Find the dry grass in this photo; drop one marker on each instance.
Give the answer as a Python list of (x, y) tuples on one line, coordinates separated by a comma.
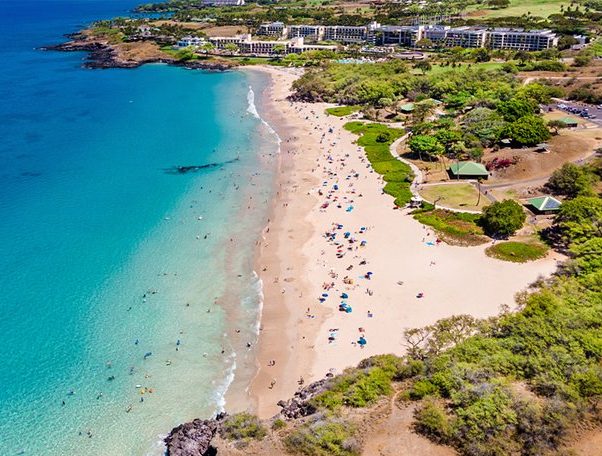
[(456, 196)]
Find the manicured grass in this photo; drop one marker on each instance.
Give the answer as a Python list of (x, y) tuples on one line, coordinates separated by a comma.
[(437, 69), (376, 140), (517, 252), (454, 227), (341, 111), (541, 8), (456, 196)]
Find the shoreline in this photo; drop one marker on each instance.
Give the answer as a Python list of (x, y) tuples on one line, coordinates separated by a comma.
[(295, 259), (277, 263)]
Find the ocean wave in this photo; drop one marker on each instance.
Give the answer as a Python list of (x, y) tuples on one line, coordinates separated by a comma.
[(259, 289), (252, 109), (220, 393)]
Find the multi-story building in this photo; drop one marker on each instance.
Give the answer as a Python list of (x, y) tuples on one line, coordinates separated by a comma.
[(435, 33), (310, 32), (297, 46), (401, 35), (223, 2), (346, 34), (521, 40), (272, 29), (247, 45), (220, 42), (467, 37), (191, 41)]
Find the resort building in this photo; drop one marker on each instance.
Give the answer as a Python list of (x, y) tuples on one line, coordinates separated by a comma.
[(220, 42), (191, 41), (223, 2), (311, 32), (346, 34), (272, 29), (247, 45), (390, 35), (466, 37), (521, 40), (435, 33), (297, 46), (400, 35)]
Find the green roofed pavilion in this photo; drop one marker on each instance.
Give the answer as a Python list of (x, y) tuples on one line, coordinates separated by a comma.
[(469, 169), (545, 204), (569, 121), (407, 107)]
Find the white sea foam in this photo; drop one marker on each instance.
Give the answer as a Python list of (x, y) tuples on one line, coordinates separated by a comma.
[(220, 393), (252, 109)]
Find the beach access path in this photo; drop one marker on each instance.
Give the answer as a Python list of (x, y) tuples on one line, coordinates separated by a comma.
[(334, 233)]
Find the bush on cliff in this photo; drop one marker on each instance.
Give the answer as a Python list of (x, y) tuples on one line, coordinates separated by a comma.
[(242, 427), (323, 438)]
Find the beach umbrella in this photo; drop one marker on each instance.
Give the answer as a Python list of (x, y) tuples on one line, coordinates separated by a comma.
[(362, 341), (344, 296)]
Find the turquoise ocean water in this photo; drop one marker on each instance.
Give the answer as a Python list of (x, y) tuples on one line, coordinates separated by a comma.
[(105, 255)]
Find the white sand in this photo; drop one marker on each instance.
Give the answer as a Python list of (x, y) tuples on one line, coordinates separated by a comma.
[(454, 280)]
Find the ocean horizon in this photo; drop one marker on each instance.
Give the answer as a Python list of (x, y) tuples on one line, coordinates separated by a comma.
[(129, 295)]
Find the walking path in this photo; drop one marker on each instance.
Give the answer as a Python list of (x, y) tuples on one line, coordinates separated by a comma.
[(419, 179)]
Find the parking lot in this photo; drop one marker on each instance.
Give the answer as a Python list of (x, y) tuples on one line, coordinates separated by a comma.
[(590, 113)]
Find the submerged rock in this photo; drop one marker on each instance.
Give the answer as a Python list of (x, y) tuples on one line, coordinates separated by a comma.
[(192, 438)]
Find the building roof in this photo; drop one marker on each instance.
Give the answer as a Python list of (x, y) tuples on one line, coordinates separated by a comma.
[(407, 107), (545, 203), (468, 169), (568, 121)]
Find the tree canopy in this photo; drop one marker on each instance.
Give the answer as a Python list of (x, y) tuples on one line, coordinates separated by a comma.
[(503, 218)]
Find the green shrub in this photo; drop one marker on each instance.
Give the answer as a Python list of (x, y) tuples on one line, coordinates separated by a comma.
[(457, 227), (242, 426), (342, 111), (278, 424), (517, 252), (503, 218), (432, 420), (323, 438), (422, 388)]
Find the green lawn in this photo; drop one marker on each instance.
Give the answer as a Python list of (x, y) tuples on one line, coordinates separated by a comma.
[(456, 196), (341, 111), (453, 227), (541, 8), (437, 69), (517, 252)]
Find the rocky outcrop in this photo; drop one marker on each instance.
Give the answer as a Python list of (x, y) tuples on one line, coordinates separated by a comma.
[(104, 55), (193, 438), (300, 404)]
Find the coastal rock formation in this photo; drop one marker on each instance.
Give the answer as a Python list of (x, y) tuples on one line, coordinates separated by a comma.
[(192, 438), (299, 405), (102, 54)]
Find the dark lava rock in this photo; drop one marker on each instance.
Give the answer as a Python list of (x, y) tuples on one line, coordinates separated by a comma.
[(193, 438), (298, 406)]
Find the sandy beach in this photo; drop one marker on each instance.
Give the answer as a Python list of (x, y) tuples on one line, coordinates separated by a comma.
[(334, 237)]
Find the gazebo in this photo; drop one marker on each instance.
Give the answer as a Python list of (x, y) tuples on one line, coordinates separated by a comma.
[(569, 122), (468, 170), (544, 204), (407, 108)]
